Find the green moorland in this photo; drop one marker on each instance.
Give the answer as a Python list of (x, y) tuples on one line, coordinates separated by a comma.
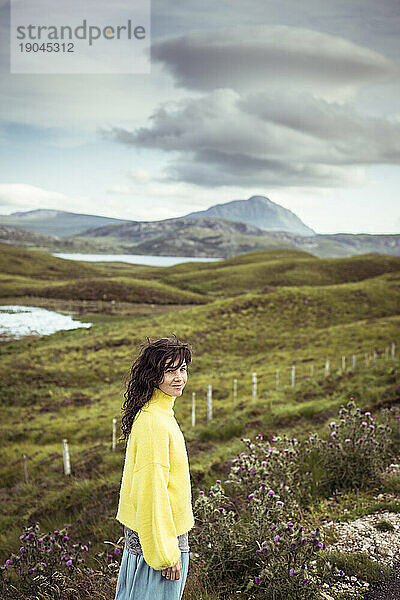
[(257, 312)]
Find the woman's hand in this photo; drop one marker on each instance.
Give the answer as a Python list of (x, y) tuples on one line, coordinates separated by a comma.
[(174, 572)]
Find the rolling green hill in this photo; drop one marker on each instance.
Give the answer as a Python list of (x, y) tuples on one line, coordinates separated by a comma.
[(36, 264)]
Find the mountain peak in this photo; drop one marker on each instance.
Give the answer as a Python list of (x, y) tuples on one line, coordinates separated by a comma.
[(259, 211)]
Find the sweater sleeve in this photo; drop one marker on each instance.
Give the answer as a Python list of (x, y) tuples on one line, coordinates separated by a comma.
[(150, 497), (155, 525)]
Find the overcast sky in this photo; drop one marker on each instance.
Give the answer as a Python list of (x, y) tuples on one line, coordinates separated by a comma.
[(294, 101)]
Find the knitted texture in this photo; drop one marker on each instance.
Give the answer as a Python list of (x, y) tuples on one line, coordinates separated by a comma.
[(155, 495)]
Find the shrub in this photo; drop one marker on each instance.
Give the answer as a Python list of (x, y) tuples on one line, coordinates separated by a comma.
[(274, 465), (48, 564), (358, 452), (258, 551)]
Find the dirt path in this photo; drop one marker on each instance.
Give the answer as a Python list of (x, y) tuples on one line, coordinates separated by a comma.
[(388, 589)]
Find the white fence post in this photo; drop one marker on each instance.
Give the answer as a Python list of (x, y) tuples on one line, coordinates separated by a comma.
[(114, 433), (354, 361), (25, 469), (293, 374), (193, 409), (343, 363), (374, 358), (277, 379), (67, 464), (393, 350), (254, 391), (327, 367), (209, 403), (387, 353)]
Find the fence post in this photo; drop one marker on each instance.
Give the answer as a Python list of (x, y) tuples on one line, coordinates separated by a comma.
[(234, 392), (326, 367), (354, 361), (276, 379), (366, 359), (209, 402), (393, 349), (387, 353), (114, 433), (193, 409), (311, 370), (293, 374), (254, 391), (374, 358), (343, 363), (67, 464), (25, 469)]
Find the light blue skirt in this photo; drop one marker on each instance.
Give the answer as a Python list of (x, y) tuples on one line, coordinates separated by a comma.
[(138, 581)]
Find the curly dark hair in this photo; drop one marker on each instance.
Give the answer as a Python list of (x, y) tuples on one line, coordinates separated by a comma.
[(147, 372)]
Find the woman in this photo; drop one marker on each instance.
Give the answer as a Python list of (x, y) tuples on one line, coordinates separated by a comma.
[(155, 496)]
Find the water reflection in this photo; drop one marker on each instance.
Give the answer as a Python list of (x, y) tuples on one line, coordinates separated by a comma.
[(19, 321), (136, 259)]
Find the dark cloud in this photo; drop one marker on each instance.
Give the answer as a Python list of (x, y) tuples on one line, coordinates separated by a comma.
[(252, 57), (211, 168), (350, 137), (223, 138), (368, 23)]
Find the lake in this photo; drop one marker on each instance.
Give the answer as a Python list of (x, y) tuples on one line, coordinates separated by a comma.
[(138, 259), (18, 321)]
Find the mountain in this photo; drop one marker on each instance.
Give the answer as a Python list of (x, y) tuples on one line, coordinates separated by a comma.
[(55, 222), (259, 211), (21, 238), (211, 237), (197, 236)]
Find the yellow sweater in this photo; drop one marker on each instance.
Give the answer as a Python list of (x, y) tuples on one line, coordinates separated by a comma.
[(155, 496)]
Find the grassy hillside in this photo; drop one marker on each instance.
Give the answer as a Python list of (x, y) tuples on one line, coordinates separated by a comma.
[(258, 272), (32, 273), (224, 279), (32, 263), (70, 385)]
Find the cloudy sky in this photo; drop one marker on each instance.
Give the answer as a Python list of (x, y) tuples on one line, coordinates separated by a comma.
[(294, 101)]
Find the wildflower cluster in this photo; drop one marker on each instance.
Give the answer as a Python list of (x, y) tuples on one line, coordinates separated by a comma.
[(283, 560), (358, 450), (272, 464), (49, 562), (249, 536)]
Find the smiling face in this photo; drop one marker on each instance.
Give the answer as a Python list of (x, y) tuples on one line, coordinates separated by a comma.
[(174, 379)]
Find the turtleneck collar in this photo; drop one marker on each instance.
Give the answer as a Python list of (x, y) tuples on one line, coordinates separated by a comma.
[(162, 401)]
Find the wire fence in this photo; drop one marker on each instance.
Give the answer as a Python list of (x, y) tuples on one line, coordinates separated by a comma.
[(275, 381)]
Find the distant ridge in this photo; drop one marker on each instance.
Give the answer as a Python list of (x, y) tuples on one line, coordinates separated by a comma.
[(56, 222), (259, 211)]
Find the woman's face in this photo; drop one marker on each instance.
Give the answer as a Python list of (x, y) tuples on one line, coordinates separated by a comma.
[(174, 379)]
